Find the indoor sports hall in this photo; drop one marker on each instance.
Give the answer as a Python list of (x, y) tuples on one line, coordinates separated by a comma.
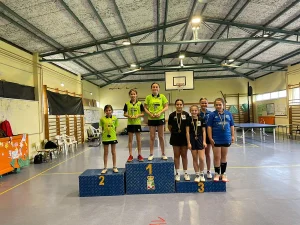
[(149, 112)]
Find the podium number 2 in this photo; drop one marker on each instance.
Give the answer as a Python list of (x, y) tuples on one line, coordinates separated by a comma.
[(149, 167), (101, 183), (201, 187)]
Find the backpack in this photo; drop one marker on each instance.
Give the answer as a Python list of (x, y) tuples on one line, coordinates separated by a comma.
[(38, 159), (2, 134), (5, 126)]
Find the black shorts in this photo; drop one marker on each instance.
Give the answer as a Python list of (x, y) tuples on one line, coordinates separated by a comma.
[(207, 141), (134, 128), (109, 142), (155, 123), (223, 145), (197, 144), (178, 139)]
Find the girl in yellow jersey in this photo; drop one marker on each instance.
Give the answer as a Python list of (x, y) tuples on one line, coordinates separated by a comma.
[(155, 106), (134, 110), (109, 125)]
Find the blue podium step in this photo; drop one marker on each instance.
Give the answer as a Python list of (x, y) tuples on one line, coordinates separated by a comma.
[(150, 177), (93, 183), (192, 187)]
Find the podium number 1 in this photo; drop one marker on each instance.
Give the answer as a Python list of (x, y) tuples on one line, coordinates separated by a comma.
[(149, 167), (101, 183)]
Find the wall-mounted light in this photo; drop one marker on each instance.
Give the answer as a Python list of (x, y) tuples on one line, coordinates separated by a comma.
[(91, 93), (62, 84), (230, 60)]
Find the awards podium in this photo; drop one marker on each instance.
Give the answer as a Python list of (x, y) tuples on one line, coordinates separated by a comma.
[(148, 177), (93, 183), (192, 187)]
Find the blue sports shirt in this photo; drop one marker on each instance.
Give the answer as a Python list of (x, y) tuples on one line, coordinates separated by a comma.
[(217, 122)]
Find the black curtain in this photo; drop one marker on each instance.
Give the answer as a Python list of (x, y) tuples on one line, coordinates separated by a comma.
[(62, 104), (17, 91)]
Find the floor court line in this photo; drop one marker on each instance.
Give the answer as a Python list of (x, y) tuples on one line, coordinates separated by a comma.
[(229, 167), (41, 173)]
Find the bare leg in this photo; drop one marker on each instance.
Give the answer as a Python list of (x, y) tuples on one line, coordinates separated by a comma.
[(152, 130), (224, 151), (195, 160), (217, 156), (176, 150), (105, 155), (114, 154), (207, 156), (130, 138), (139, 142), (201, 155), (183, 153), (160, 130)]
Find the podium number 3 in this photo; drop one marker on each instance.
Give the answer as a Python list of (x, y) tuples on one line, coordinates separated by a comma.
[(201, 187), (149, 167), (101, 183)]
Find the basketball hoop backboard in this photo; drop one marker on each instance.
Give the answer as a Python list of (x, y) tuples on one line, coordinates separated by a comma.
[(181, 80)]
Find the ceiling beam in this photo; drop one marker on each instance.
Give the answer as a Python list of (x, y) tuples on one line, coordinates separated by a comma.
[(86, 30), (32, 30), (264, 25), (105, 27), (157, 25), (116, 38), (176, 43), (163, 79), (125, 29), (165, 23), (187, 24), (128, 74), (204, 49)]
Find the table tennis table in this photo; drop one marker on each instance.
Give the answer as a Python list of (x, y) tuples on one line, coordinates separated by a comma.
[(251, 126)]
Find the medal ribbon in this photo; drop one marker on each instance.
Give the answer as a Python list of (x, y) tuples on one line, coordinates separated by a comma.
[(178, 124), (222, 122)]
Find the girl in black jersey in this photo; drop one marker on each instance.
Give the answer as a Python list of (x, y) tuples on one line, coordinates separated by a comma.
[(177, 126)]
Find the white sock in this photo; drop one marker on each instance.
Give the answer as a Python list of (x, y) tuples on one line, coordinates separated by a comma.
[(197, 173), (184, 171), (202, 172), (176, 171)]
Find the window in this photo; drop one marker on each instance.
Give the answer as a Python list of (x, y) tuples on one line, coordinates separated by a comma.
[(274, 95), (98, 104), (266, 96), (282, 94), (259, 98)]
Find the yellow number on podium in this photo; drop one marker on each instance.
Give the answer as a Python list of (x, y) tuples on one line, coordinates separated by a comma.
[(101, 183), (201, 187), (149, 167)]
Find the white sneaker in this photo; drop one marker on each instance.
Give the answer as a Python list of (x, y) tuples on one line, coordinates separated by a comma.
[(197, 179), (164, 157), (209, 176), (202, 178), (187, 177), (150, 157), (115, 169), (104, 171), (177, 177)]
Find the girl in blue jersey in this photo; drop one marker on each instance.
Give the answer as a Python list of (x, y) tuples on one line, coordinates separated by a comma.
[(204, 113), (220, 128)]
